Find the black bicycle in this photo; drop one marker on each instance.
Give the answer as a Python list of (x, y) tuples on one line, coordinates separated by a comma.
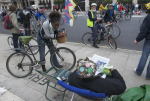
[(21, 64), (88, 40)]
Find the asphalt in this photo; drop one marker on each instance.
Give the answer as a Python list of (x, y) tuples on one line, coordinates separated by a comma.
[(32, 88)]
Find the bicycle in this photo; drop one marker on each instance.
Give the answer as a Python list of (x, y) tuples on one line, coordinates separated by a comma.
[(33, 43), (24, 63), (87, 37), (127, 15), (114, 30)]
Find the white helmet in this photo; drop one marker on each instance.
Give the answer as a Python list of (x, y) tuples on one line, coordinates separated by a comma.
[(93, 4)]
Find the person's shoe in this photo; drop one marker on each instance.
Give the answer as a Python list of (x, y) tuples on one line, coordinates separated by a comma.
[(43, 68), (95, 46)]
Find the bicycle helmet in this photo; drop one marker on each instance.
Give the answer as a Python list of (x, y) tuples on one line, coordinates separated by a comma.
[(93, 4), (147, 6)]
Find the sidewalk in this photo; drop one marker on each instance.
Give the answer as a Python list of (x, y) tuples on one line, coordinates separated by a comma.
[(8, 96), (33, 87)]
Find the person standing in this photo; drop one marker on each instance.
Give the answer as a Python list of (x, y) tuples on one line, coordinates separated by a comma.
[(15, 30), (92, 23), (26, 20), (144, 34)]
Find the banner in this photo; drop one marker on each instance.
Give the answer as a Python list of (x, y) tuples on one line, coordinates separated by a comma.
[(68, 12)]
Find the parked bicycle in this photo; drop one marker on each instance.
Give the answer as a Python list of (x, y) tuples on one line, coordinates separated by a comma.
[(124, 15), (87, 37), (33, 44), (20, 64)]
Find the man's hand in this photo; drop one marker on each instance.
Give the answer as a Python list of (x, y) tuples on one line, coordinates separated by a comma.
[(135, 42), (61, 34), (99, 19)]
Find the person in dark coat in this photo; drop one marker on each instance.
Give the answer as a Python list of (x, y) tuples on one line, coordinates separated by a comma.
[(144, 34)]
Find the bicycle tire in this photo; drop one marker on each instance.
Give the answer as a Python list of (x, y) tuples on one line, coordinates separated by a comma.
[(115, 31), (65, 60), (111, 42), (33, 46), (87, 38), (10, 42), (11, 70)]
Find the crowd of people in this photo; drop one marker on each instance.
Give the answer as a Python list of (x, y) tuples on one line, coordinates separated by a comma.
[(120, 7)]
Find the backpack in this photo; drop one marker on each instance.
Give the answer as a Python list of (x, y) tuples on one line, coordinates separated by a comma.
[(7, 22)]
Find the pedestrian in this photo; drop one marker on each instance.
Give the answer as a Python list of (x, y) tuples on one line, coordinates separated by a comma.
[(144, 34), (48, 32), (26, 20), (92, 23), (15, 30), (109, 16)]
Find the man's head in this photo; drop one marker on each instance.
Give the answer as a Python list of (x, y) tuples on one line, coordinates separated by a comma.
[(110, 6), (12, 8), (93, 6), (55, 18)]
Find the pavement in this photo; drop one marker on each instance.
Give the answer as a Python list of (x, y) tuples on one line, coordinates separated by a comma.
[(32, 88)]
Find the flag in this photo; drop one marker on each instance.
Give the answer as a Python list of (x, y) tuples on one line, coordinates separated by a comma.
[(68, 12)]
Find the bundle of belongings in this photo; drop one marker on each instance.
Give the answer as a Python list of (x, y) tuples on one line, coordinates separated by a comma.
[(95, 74)]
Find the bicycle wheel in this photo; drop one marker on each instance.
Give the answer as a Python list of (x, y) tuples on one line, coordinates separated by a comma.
[(115, 31), (87, 38), (10, 42), (65, 58), (33, 46), (19, 64), (112, 43)]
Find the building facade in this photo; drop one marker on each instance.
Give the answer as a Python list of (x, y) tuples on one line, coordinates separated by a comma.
[(4, 4)]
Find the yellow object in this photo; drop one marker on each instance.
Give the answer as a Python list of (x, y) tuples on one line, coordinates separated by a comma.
[(147, 5), (89, 22), (101, 7), (106, 7)]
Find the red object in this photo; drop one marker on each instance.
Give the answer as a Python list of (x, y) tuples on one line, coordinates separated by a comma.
[(7, 22)]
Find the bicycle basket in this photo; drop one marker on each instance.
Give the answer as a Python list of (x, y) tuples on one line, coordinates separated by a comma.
[(62, 39)]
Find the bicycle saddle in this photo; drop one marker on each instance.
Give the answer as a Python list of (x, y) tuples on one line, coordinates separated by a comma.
[(25, 39)]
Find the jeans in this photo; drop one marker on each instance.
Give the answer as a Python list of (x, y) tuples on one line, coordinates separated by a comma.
[(144, 59), (41, 44), (49, 43), (95, 31), (15, 40)]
